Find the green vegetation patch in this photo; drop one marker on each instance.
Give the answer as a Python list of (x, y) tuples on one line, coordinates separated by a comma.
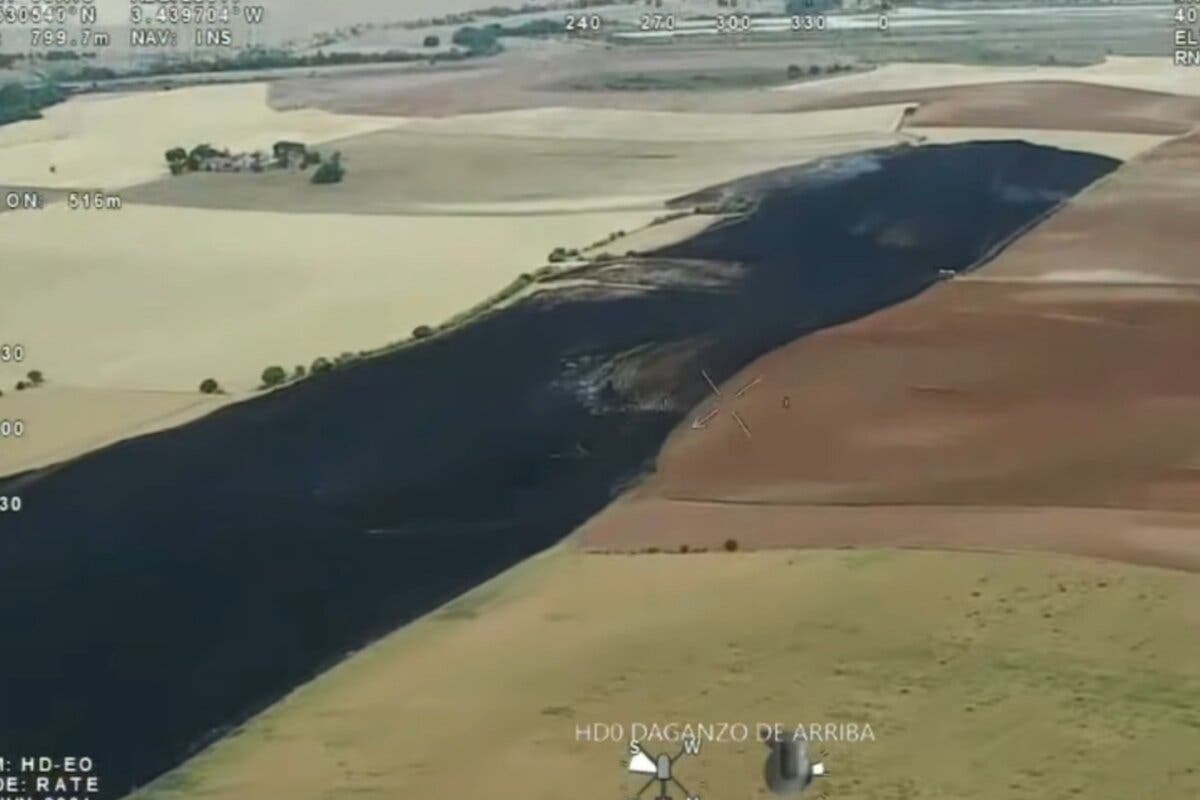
[(20, 102)]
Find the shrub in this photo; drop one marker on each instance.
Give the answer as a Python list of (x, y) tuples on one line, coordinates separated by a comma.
[(422, 332), (330, 171), (321, 364), (210, 386), (479, 41), (432, 41), (557, 255), (273, 376), (731, 545), (36, 378), (794, 71), (299, 372)]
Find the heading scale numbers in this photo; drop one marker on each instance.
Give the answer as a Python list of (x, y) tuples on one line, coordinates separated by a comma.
[(808, 22), (583, 23)]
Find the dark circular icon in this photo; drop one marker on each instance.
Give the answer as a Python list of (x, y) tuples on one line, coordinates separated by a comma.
[(789, 769)]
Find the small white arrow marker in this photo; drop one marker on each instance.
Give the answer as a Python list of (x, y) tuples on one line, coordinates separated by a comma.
[(642, 764)]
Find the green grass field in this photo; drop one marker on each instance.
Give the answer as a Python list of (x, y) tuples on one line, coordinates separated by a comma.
[(982, 676)]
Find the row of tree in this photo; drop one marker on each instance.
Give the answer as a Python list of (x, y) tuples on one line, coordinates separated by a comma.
[(285, 154), (276, 375)]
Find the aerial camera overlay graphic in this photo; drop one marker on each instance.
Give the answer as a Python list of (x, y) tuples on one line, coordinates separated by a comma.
[(604, 399)]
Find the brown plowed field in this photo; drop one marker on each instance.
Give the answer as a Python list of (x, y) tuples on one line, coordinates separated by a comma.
[(1026, 409)]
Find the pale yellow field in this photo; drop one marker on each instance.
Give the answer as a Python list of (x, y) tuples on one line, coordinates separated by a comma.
[(107, 141), (161, 298), (666, 126), (983, 677), (1151, 74), (62, 421)]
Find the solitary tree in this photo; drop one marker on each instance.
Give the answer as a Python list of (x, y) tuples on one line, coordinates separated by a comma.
[(177, 160), (36, 377), (422, 332), (210, 386), (273, 376), (330, 171), (321, 364)]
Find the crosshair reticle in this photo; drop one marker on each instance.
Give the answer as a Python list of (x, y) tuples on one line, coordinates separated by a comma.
[(702, 421)]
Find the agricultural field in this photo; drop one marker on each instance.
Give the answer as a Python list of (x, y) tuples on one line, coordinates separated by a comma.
[(980, 676)]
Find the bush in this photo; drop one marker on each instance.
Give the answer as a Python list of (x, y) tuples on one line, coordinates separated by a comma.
[(321, 364), (299, 372), (557, 255), (273, 376), (422, 332), (432, 41), (794, 71), (210, 386), (479, 41), (330, 171), (731, 545), (36, 377)]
